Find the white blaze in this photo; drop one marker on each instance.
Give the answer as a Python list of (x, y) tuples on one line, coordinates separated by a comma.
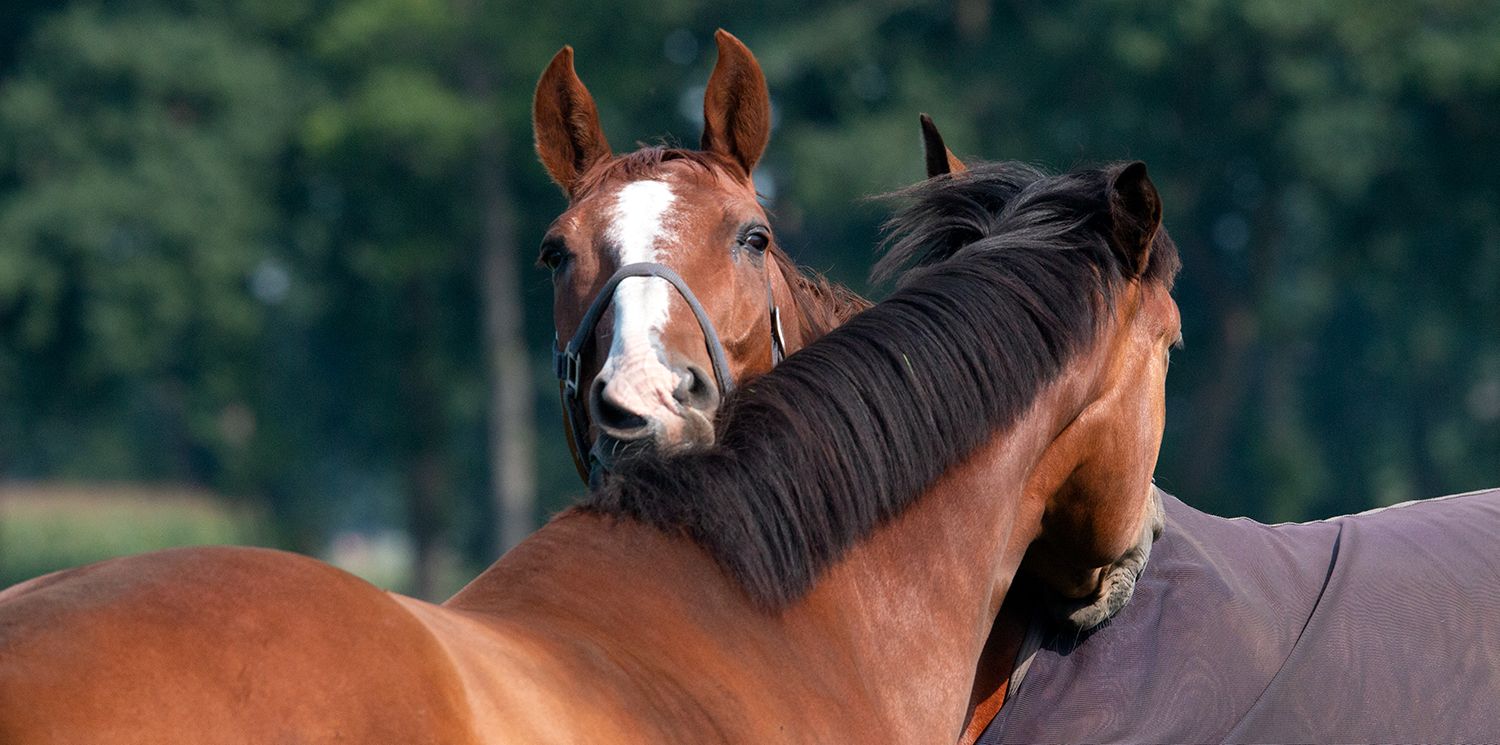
[(639, 227)]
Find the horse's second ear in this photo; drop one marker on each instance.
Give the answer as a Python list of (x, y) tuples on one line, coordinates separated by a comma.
[(1135, 215), (565, 123), (736, 105), (940, 160)]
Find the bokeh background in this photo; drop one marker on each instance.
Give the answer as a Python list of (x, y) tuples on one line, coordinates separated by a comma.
[(265, 267)]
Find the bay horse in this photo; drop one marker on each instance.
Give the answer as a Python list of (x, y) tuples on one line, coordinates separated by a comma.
[(828, 570), (669, 285), (1244, 632)]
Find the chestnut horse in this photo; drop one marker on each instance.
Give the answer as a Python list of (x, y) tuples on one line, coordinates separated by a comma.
[(669, 256), (827, 571), (665, 303)]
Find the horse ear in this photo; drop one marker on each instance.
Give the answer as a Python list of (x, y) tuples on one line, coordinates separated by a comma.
[(940, 160), (1135, 215), (565, 123), (736, 105)]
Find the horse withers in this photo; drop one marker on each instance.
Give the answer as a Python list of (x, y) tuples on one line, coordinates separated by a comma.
[(827, 571)]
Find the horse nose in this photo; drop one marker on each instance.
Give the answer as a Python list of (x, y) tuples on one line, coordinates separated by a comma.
[(613, 415), (695, 389), (666, 400)]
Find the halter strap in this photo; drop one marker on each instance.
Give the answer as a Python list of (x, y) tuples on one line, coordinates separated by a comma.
[(778, 341), (567, 361)]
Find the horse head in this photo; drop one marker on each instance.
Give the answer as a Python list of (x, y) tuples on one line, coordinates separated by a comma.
[(1100, 511), (669, 286)]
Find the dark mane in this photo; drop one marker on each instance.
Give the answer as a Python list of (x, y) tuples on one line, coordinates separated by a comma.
[(946, 214), (849, 431)]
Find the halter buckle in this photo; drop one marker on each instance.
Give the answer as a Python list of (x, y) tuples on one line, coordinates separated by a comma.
[(569, 369)]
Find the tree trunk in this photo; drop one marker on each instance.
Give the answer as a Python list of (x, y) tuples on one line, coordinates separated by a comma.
[(512, 431), (425, 486), (512, 423), (1216, 403), (426, 467)]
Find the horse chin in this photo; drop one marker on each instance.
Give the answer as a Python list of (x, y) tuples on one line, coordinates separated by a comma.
[(607, 453), (695, 431), (1117, 585)]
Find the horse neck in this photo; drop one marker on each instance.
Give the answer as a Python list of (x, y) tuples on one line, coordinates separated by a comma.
[(811, 305), (891, 633), (916, 602)]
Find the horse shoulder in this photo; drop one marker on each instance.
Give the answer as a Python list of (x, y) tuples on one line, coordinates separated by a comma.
[(511, 684), (604, 630), (539, 677), (219, 644)]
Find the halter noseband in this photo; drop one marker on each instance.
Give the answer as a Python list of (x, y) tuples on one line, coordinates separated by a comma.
[(567, 362)]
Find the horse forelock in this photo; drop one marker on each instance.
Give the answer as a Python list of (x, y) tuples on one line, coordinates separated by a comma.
[(652, 162)]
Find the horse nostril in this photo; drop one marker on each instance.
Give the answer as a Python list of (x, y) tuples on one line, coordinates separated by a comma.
[(619, 420), (695, 390)]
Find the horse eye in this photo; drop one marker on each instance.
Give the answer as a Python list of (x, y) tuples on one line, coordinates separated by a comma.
[(552, 258), (758, 240)]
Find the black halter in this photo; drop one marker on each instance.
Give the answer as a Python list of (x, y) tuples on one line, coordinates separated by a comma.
[(567, 361)]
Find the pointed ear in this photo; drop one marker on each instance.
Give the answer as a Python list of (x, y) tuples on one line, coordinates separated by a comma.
[(566, 123), (940, 160), (736, 105), (1134, 214)]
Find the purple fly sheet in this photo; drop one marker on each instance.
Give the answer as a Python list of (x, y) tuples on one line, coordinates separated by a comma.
[(1377, 627)]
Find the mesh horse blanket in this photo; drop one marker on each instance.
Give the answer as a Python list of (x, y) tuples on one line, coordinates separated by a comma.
[(1377, 627)]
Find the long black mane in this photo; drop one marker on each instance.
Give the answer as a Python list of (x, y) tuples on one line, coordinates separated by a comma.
[(1013, 270)]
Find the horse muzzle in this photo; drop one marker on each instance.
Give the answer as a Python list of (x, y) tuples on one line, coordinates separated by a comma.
[(695, 430), (697, 395)]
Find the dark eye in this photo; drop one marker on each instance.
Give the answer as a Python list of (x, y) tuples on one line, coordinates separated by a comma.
[(758, 240), (553, 257)]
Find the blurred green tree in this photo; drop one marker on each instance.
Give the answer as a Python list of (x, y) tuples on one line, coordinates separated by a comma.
[(140, 160)]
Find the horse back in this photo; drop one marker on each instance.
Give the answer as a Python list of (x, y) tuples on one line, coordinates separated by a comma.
[(207, 645)]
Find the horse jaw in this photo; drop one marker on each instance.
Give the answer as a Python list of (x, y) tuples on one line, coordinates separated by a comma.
[(1117, 583)]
